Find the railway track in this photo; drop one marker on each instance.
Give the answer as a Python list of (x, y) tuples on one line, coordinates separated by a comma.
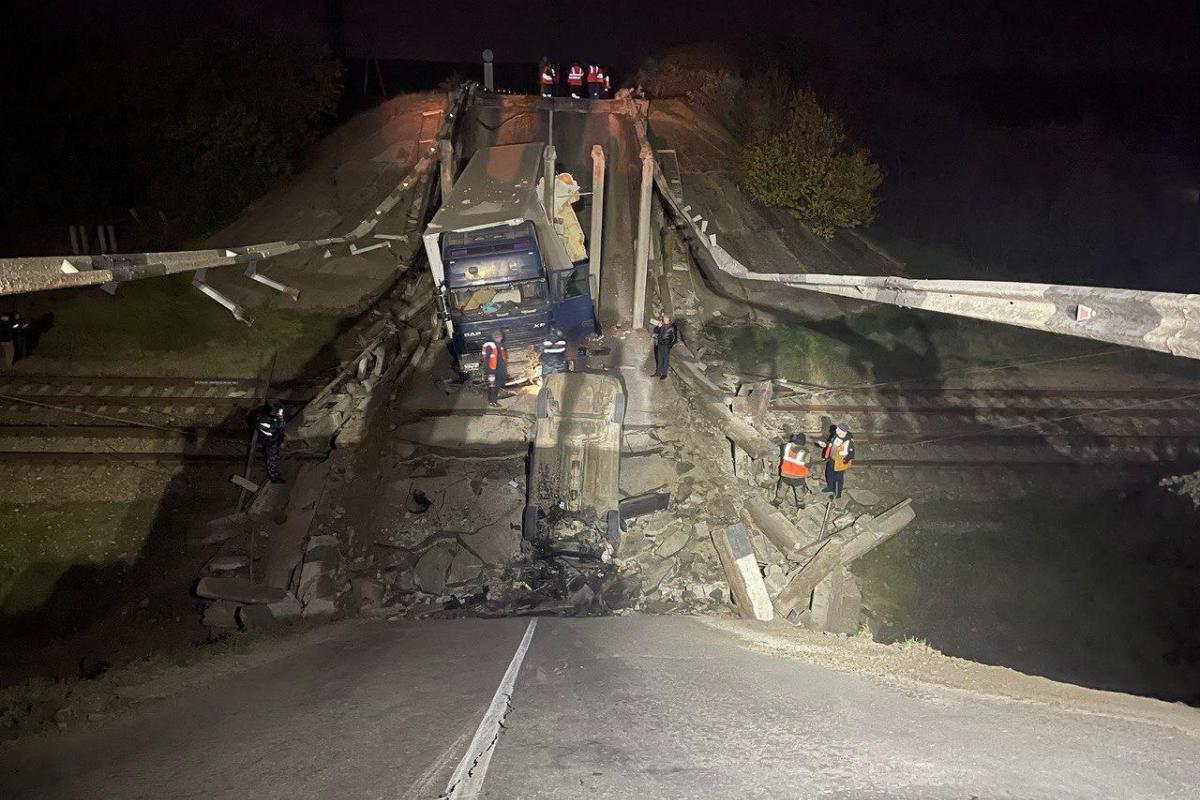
[(975, 428), (52, 419)]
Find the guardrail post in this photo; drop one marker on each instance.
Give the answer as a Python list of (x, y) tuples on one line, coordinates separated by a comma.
[(597, 226), (642, 263)]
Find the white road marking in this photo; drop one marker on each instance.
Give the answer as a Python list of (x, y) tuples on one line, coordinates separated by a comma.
[(467, 780)]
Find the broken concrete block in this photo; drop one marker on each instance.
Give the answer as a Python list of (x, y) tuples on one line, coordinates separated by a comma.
[(654, 570), (237, 590), (431, 570), (836, 604), (863, 497), (775, 579), (753, 400), (874, 531), (221, 614), (367, 593), (464, 568), (320, 607), (672, 543), (796, 595), (227, 563), (496, 544), (741, 570)]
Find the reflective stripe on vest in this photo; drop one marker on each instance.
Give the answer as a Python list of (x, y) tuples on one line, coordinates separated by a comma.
[(547, 76), (492, 355), (575, 75), (792, 464), (554, 347)]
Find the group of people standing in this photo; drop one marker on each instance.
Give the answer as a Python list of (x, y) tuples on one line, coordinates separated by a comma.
[(595, 78), (837, 451)]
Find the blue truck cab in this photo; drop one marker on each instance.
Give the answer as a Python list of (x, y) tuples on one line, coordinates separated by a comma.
[(498, 263)]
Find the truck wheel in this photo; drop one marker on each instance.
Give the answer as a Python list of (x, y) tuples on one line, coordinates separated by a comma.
[(529, 520), (613, 525), (619, 409)]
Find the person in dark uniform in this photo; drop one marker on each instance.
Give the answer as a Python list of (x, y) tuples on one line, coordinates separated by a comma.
[(8, 353), (20, 336), (554, 353), (493, 361), (665, 335), (271, 427)]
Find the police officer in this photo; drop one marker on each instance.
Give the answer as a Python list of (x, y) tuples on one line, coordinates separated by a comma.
[(271, 426), (793, 472), (664, 337), (8, 351), (554, 353), (493, 361)]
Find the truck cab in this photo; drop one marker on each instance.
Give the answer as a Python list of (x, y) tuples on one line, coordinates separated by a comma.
[(500, 263)]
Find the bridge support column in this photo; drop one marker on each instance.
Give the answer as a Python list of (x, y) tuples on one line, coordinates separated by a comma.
[(597, 226), (642, 262), (549, 156)]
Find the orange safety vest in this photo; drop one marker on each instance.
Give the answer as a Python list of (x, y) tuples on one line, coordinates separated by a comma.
[(548, 76), (575, 76), (792, 465), (493, 356)]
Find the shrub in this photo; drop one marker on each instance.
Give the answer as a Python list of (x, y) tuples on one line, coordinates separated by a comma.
[(806, 168)]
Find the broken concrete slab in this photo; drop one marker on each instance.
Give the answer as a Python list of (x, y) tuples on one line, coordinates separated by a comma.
[(754, 400), (796, 595), (320, 607), (431, 570), (874, 531), (675, 539), (836, 603), (641, 504), (864, 497), (227, 563), (237, 590), (464, 568), (654, 570), (468, 432), (366, 593), (496, 544), (221, 614), (741, 571), (779, 530)]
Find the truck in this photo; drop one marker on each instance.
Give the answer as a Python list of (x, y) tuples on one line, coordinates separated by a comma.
[(500, 263)]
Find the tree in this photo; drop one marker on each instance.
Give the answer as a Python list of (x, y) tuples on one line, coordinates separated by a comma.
[(806, 168)]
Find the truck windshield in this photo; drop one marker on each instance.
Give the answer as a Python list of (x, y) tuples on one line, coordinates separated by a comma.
[(501, 299)]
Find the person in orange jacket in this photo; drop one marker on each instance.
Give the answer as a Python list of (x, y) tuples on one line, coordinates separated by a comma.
[(838, 453), (793, 471), (575, 81), (595, 79)]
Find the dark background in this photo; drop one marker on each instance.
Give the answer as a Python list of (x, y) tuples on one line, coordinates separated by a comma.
[(1033, 141)]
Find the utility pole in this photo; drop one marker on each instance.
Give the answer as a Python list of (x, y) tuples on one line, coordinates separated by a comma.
[(548, 159), (597, 227), (489, 82), (642, 262)]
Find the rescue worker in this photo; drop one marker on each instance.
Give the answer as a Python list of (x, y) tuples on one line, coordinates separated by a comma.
[(548, 79), (575, 81), (493, 361), (595, 80), (607, 85), (793, 471), (664, 337), (19, 332), (838, 453), (554, 353), (271, 427)]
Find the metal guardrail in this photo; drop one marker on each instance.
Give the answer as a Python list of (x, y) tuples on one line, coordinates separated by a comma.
[(1162, 321), (22, 275)]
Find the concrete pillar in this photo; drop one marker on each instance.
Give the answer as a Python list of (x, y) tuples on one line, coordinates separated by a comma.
[(549, 156), (100, 239), (489, 81), (74, 240), (112, 238), (594, 251), (642, 262)]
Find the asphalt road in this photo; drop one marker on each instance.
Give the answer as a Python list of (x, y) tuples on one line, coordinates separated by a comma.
[(660, 707)]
